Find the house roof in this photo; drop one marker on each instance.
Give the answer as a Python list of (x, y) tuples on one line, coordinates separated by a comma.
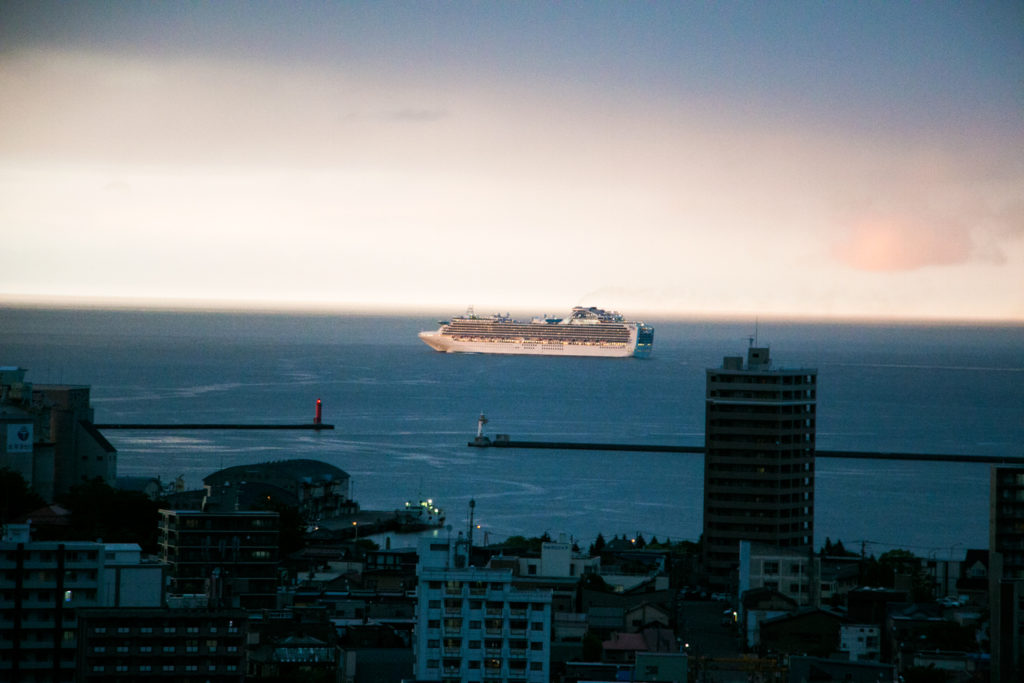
[(625, 642)]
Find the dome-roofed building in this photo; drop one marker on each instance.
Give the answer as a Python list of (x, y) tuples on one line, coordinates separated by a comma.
[(319, 490)]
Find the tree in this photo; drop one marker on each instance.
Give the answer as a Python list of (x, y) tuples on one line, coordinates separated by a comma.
[(597, 546), (16, 498), (592, 649), (100, 511)]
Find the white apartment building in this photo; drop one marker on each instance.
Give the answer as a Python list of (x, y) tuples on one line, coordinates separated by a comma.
[(861, 642), (474, 626), (791, 571)]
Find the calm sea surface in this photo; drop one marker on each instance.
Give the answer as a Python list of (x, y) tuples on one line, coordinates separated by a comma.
[(403, 414)]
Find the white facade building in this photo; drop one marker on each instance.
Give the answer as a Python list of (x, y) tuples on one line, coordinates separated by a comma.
[(861, 642), (473, 625), (792, 572)]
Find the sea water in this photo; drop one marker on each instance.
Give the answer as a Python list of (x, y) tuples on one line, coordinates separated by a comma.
[(403, 415)]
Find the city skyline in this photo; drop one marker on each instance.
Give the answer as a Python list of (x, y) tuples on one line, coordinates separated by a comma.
[(809, 160)]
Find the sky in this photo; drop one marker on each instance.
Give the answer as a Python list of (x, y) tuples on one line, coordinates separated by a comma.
[(816, 159)]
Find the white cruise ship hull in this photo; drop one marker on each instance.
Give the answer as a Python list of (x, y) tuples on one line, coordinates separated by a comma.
[(585, 332), (440, 342)]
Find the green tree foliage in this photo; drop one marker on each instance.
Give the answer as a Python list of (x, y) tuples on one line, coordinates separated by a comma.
[(591, 647), (883, 572), (594, 582), (521, 544), (836, 549), (100, 511), (922, 674), (16, 498)]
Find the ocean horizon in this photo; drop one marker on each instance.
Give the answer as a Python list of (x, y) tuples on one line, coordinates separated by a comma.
[(403, 414)]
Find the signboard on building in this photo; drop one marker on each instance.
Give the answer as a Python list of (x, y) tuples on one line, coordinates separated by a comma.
[(19, 438)]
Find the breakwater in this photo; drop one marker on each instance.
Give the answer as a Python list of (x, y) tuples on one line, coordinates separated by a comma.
[(194, 425), (502, 442)]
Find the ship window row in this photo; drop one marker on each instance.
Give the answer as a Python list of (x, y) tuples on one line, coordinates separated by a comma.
[(480, 334), (766, 378), (527, 331)]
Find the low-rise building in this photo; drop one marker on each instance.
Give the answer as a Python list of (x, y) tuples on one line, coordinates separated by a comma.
[(127, 644), (793, 572), (860, 642), (318, 490)]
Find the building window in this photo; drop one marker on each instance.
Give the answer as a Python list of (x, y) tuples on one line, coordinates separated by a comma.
[(770, 567)]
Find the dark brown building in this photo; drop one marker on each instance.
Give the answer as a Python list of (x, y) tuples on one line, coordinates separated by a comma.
[(758, 459), (1006, 573)]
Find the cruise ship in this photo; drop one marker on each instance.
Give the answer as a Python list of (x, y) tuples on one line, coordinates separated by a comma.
[(585, 332)]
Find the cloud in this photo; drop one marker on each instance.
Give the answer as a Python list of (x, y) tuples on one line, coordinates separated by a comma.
[(899, 243)]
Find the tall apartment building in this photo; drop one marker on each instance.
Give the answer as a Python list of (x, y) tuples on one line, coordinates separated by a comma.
[(474, 626), (758, 459), (43, 587), (231, 557), (1006, 573)]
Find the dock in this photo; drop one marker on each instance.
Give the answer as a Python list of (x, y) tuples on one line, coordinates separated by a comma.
[(502, 441)]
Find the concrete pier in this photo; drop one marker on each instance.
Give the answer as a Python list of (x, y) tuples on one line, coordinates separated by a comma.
[(504, 442), (315, 426)]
